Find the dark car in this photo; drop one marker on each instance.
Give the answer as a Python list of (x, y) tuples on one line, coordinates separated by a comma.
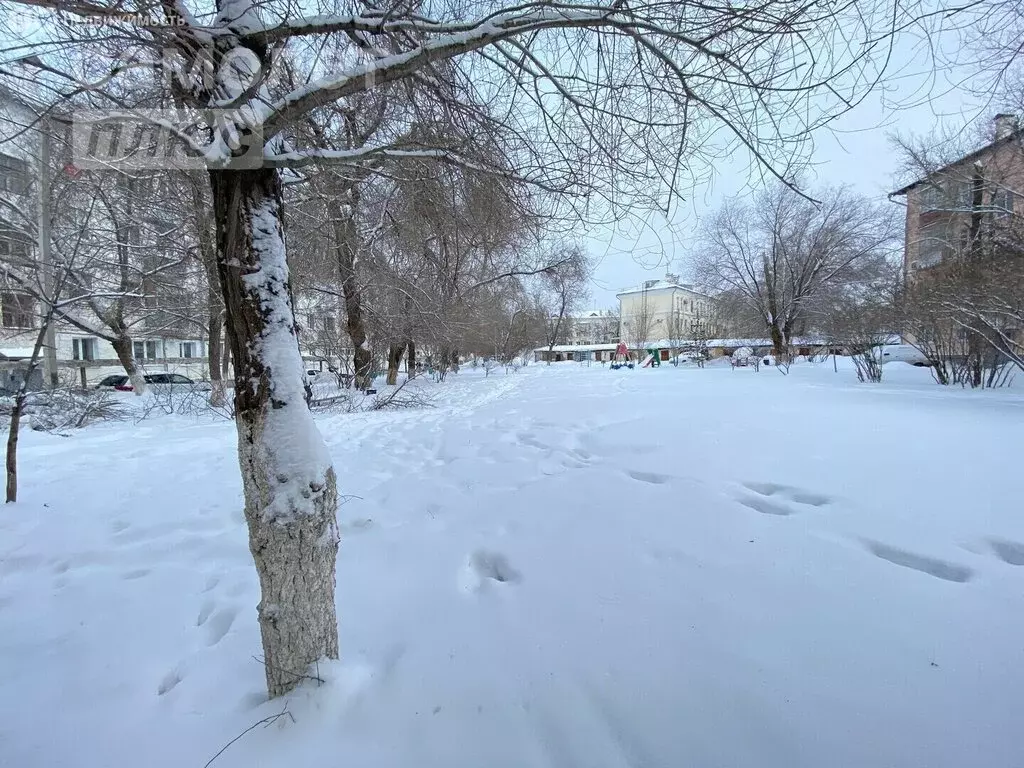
[(121, 382)]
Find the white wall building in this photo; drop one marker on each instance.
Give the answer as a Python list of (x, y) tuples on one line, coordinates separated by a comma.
[(594, 326), (661, 309)]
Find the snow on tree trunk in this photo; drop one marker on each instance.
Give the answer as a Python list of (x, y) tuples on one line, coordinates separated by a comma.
[(122, 345), (288, 482)]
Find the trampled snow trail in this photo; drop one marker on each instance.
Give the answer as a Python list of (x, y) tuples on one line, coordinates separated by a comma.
[(564, 566)]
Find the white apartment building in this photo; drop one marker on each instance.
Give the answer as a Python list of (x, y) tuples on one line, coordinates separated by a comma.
[(661, 309)]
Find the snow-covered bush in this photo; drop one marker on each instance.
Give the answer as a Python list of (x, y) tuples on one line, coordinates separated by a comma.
[(185, 401), (61, 409)]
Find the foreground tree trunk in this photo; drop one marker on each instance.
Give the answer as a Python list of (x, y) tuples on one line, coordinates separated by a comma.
[(19, 408), (346, 243), (12, 448), (287, 478), (122, 344)]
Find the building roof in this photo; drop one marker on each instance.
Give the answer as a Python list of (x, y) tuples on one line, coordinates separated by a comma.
[(592, 313), (20, 353), (799, 341), (579, 348), (1017, 135), (660, 285)]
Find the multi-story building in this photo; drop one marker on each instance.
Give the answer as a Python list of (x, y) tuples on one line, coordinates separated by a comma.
[(985, 186), (962, 273), (594, 326), (662, 310), (159, 321)]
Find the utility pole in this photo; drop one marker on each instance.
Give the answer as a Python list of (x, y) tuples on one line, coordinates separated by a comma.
[(45, 262)]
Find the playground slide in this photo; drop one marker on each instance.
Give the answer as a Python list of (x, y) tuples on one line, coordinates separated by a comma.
[(647, 361)]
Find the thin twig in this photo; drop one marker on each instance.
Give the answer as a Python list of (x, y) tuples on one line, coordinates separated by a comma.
[(266, 721)]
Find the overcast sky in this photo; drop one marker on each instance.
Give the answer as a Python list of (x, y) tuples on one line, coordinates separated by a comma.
[(855, 150)]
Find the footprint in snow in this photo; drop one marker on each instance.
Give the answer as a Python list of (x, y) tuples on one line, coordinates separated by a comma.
[(169, 681), (651, 478), (773, 498), (482, 567), (218, 624), (1010, 552), (940, 569)]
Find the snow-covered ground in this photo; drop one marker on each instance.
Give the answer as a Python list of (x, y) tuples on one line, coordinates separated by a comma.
[(567, 566)]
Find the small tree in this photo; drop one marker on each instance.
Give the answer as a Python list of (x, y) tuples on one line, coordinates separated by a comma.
[(700, 334), (862, 328), (638, 323), (565, 286)]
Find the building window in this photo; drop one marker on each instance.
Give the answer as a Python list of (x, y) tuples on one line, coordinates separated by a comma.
[(83, 349), (13, 175), (144, 350), (187, 349), (954, 196), (18, 309), (1002, 202), (13, 244)]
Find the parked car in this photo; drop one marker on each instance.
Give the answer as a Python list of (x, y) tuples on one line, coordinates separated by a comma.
[(163, 381), (902, 353), (114, 382)]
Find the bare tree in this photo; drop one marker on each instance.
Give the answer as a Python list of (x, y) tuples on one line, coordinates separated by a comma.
[(630, 91), (47, 287), (638, 323), (783, 253), (565, 287)]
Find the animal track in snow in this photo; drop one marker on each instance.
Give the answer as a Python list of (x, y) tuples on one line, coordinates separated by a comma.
[(1010, 552), (765, 502), (218, 625), (940, 569), (652, 478), (483, 566)]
